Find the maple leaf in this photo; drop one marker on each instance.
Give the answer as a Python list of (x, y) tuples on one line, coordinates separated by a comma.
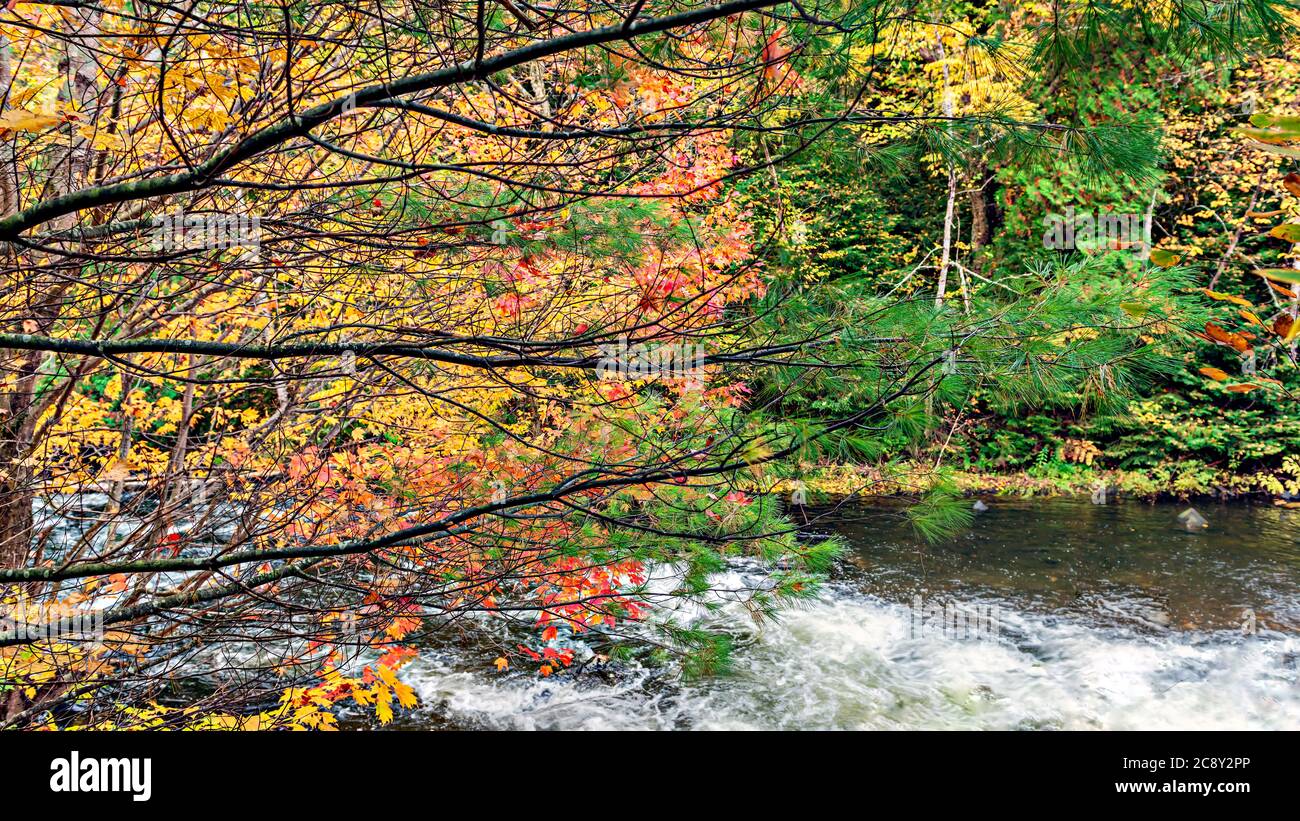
[(383, 704), (397, 656)]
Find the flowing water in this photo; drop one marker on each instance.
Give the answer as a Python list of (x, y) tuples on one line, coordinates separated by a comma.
[(1072, 616)]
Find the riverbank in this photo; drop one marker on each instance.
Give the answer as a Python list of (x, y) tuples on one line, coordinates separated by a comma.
[(1168, 482)]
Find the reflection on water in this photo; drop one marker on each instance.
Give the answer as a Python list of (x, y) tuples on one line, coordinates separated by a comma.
[(1107, 617), (1108, 564)]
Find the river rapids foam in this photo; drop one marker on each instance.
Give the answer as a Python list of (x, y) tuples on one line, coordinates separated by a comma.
[(852, 661)]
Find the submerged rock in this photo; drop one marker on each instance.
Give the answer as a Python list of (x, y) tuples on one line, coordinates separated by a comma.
[(1192, 519), (979, 507)]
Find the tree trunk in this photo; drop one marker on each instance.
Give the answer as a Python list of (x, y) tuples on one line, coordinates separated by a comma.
[(980, 226), (946, 259)]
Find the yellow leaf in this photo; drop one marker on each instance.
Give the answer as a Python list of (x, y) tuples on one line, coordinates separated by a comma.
[(1288, 231), (383, 703), (1164, 258), (1236, 300), (16, 119), (405, 695)]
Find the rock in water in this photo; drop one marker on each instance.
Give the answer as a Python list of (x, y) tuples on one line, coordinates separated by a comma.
[(1099, 495), (979, 507), (1192, 519)]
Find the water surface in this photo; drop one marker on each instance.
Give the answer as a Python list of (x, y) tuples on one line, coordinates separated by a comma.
[(1105, 617)]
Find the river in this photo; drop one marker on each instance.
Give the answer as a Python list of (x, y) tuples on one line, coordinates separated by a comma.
[(1074, 616)]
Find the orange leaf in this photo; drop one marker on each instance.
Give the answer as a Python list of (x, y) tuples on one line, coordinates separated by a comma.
[(1215, 373), (1289, 294), (773, 54), (1243, 387)]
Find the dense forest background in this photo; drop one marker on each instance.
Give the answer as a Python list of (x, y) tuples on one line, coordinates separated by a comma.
[(867, 218)]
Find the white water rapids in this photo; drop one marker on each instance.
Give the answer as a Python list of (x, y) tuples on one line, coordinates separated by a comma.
[(851, 661)]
